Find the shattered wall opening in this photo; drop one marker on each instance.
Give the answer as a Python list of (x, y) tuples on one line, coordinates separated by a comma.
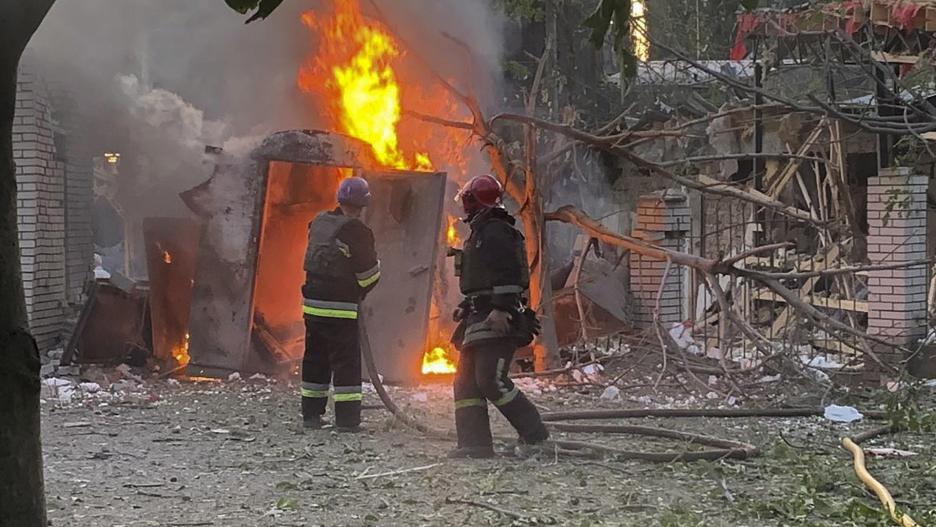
[(294, 195), (247, 303)]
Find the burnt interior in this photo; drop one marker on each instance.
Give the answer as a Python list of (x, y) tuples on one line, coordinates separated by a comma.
[(294, 195)]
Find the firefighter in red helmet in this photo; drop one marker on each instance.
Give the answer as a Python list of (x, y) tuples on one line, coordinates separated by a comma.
[(493, 323)]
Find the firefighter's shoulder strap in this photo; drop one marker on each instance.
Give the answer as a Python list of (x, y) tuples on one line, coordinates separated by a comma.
[(326, 254)]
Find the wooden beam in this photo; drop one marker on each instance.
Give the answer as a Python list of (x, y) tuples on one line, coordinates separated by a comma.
[(859, 306), (820, 262)]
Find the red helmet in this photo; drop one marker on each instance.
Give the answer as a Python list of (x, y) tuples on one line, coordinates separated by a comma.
[(481, 192)]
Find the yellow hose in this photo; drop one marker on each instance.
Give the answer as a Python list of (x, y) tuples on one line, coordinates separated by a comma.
[(882, 493)]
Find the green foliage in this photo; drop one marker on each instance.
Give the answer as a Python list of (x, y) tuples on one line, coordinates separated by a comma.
[(522, 9), (287, 504), (908, 151), (907, 411), (612, 17), (898, 200), (263, 7), (517, 70)]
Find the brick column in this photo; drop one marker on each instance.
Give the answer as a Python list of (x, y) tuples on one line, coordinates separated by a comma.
[(40, 186), (663, 219), (897, 233)]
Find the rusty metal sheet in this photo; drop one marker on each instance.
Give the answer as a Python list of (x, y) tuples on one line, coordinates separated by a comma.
[(406, 217), (112, 326), (171, 247)]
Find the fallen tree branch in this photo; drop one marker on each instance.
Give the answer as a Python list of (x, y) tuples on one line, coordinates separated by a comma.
[(696, 412), (756, 250), (439, 120), (749, 155), (837, 271), (821, 319), (396, 472), (722, 189), (574, 216)]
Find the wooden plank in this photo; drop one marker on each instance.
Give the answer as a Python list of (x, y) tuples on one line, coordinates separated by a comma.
[(893, 58), (822, 262), (793, 165), (859, 306)]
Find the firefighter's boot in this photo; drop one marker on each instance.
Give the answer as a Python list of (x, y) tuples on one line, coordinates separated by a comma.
[(473, 428), (525, 418)]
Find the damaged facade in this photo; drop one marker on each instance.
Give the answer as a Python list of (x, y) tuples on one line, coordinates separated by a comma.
[(53, 180)]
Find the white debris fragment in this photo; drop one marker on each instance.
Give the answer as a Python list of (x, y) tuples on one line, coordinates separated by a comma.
[(420, 397), (822, 363), (611, 393), (681, 333), (766, 379), (173, 382), (711, 396), (90, 387), (930, 383), (842, 414), (234, 377), (259, 377), (55, 388), (592, 369)]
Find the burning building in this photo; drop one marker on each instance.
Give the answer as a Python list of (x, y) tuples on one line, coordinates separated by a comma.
[(246, 312), (246, 307)]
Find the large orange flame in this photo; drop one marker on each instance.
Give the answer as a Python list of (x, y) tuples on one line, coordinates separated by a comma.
[(354, 65), (354, 75)]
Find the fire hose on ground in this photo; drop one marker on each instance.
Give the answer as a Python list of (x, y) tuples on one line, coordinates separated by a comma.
[(723, 448), (851, 444)]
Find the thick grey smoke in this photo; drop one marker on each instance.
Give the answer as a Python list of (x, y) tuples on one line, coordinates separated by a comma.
[(159, 79)]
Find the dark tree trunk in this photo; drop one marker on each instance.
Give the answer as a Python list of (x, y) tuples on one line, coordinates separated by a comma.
[(22, 498)]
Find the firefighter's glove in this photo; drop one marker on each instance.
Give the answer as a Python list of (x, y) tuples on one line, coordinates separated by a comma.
[(498, 321), (458, 315)]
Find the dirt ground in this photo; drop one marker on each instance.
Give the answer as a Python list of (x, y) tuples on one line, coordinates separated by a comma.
[(232, 454)]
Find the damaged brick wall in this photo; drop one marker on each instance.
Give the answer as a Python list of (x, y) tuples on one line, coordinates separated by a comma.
[(53, 180), (72, 148), (897, 234), (40, 185), (663, 218)]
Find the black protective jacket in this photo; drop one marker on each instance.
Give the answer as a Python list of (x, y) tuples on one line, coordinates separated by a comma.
[(494, 273), (341, 265)]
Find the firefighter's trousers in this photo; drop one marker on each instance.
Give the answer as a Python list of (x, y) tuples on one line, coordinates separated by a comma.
[(332, 357), (482, 377)]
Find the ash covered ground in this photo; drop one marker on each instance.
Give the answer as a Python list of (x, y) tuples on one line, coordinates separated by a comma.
[(135, 452)]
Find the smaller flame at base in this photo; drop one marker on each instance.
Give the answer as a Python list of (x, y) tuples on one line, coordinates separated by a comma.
[(436, 361), (180, 353)]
